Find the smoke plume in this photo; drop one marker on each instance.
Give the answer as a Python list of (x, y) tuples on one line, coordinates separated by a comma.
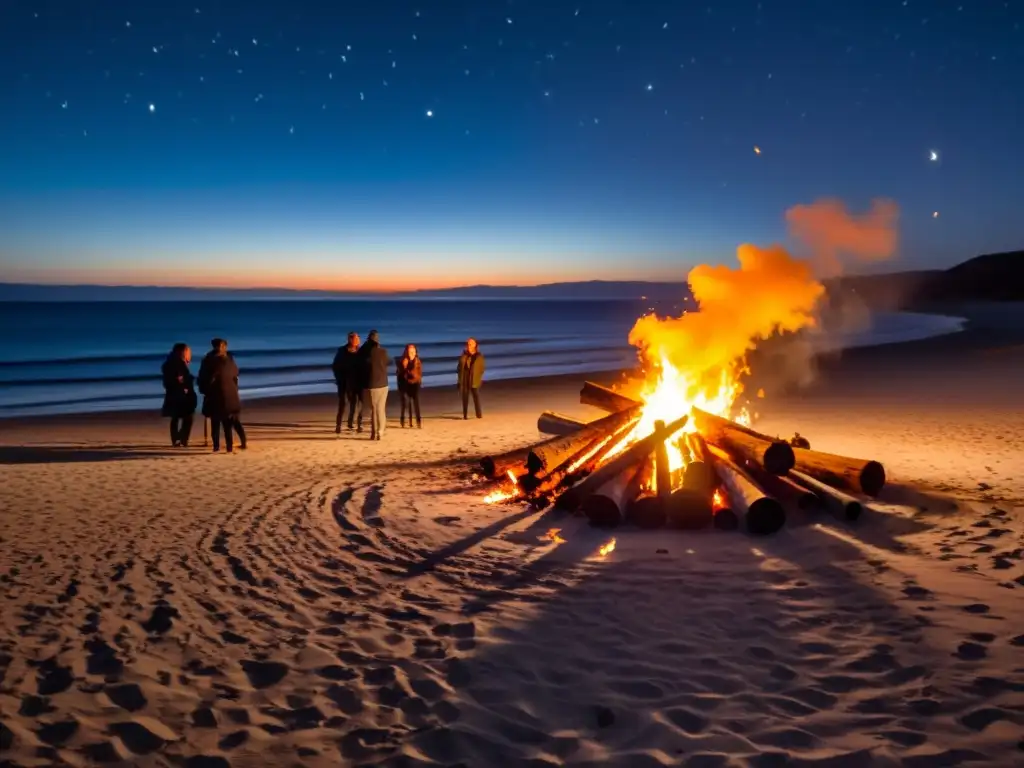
[(771, 295)]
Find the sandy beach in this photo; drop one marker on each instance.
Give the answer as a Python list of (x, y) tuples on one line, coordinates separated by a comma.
[(320, 600)]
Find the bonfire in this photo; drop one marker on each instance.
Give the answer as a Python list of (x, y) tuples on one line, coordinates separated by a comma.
[(678, 445)]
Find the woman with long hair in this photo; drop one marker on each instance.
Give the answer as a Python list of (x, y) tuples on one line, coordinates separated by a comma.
[(410, 378), (180, 398)]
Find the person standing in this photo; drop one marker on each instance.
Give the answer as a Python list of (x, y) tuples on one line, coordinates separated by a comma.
[(222, 403), (348, 377), (180, 398), (471, 377), (375, 365), (410, 378)]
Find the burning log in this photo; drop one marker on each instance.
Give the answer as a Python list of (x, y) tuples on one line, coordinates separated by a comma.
[(551, 423), (857, 475), (776, 456), (647, 512), (574, 468), (850, 507), (498, 466), (662, 469), (699, 475), (762, 514), (725, 519), (631, 456), (607, 506), (546, 456), (604, 398)]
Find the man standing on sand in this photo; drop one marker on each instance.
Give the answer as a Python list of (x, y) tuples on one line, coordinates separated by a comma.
[(349, 378), (376, 364), (222, 404), (471, 377)]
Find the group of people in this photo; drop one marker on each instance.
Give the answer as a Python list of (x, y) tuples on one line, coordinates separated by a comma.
[(360, 372)]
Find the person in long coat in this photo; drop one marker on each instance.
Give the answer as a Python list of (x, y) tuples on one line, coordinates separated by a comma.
[(471, 377), (222, 403), (409, 372), (180, 398)]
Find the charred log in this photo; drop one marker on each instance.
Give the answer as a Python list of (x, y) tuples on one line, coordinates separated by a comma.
[(551, 423), (647, 512), (847, 506), (725, 519), (499, 465), (785, 489), (575, 467), (662, 469), (856, 475), (604, 398), (607, 506), (551, 453), (774, 456), (689, 509), (761, 513)]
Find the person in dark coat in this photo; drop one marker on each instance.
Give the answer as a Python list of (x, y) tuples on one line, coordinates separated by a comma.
[(471, 377), (349, 378), (410, 377), (375, 365), (222, 403), (180, 398)]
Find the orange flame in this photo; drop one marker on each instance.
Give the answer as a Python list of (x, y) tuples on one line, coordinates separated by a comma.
[(607, 548), (500, 495)]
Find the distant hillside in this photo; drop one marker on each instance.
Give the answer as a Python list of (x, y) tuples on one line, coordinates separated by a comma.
[(592, 290), (991, 277)]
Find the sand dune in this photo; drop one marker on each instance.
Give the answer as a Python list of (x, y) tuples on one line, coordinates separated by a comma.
[(322, 601)]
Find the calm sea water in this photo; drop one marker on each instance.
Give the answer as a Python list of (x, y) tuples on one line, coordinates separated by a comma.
[(75, 357)]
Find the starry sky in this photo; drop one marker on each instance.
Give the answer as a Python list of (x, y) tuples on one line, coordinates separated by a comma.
[(397, 144)]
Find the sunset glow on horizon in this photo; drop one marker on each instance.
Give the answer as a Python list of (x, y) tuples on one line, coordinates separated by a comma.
[(401, 148)]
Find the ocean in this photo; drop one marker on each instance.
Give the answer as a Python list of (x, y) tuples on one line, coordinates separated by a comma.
[(91, 356)]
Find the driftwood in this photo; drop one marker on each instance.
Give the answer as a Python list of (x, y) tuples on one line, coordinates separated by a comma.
[(546, 456), (785, 489), (849, 507), (631, 456), (662, 470), (604, 398), (647, 512), (551, 423), (607, 506), (498, 465), (775, 456), (725, 519), (856, 475), (568, 478), (689, 509), (762, 514)]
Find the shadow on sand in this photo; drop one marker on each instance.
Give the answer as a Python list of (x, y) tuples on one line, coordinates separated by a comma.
[(725, 649), (66, 454)]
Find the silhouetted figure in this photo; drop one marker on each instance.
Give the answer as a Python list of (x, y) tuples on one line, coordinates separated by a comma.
[(180, 398), (222, 404), (409, 372), (375, 363), (348, 375), (471, 377)]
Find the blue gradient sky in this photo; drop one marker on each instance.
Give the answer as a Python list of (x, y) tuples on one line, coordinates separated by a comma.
[(408, 144)]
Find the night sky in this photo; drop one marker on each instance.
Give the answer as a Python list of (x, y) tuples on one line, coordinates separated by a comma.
[(395, 144)]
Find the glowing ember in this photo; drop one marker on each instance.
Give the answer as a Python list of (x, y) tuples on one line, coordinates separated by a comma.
[(552, 535), (607, 548), (589, 455), (500, 495), (718, 500)]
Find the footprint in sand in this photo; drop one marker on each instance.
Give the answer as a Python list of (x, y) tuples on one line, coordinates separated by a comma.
[(970, 651)]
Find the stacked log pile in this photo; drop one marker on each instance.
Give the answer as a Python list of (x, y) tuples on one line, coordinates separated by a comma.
[(733, 476)]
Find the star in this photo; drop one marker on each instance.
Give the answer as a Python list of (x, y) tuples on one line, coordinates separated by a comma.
[(933, 155), (152, 108), (935, 214), (757, 150), (649, 87), (430, 113)]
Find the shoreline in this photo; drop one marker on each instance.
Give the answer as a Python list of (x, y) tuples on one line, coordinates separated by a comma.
[(432, 397)]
